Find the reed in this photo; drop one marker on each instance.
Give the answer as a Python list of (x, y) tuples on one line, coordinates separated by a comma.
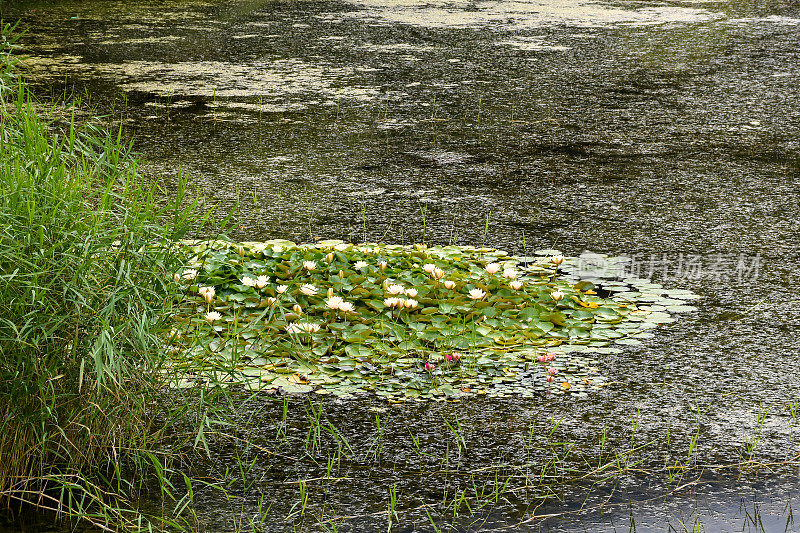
[(86, 255)]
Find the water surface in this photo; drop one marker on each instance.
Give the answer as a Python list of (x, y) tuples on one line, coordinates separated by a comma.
[(667, 131)]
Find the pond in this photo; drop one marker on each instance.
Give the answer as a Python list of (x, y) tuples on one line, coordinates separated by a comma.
[(661, 131)]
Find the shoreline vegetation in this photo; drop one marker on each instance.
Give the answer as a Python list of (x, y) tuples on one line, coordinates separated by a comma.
[(106, 303), (84, 252)]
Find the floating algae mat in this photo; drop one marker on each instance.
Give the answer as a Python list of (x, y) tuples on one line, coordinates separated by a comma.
[(402, 321)]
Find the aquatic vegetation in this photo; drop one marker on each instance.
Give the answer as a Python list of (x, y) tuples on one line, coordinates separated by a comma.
[(343, 319)]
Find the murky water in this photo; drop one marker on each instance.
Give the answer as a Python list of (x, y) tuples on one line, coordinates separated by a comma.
[(667, 131)]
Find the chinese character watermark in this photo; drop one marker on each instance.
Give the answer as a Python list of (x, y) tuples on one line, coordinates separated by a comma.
[(717, 268)]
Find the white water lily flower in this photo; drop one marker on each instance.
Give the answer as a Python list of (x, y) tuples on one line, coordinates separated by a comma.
[(557, 259), (516, 285), (211, 316), (438, 273), (334, 302), (393, 302), (302, 327), (308, 289), (261, 282), (207, 293), (492, 268), (248, 281), (410, 303), (347, 307), (411, 292), (510, 273), (557, 296), (477, 294), (449, 284), (428, 267), (395, 289), (280, 289), (360, 264), (190, 274), (271, 301), (309, 265)]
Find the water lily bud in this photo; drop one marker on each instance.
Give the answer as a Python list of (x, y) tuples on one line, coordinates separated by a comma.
[(557, 259), (549, 379), (557, 296), (271, 301), (330, 292), (240, 250), (386, 284), (428, 267), (383, 265), (450, 284), (208, 293), (341, 274), (438, 273), (429, 367), (329, 257), (411, 292), (297, 309)]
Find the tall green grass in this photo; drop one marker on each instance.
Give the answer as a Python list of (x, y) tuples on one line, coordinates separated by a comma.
[(86, 254)]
